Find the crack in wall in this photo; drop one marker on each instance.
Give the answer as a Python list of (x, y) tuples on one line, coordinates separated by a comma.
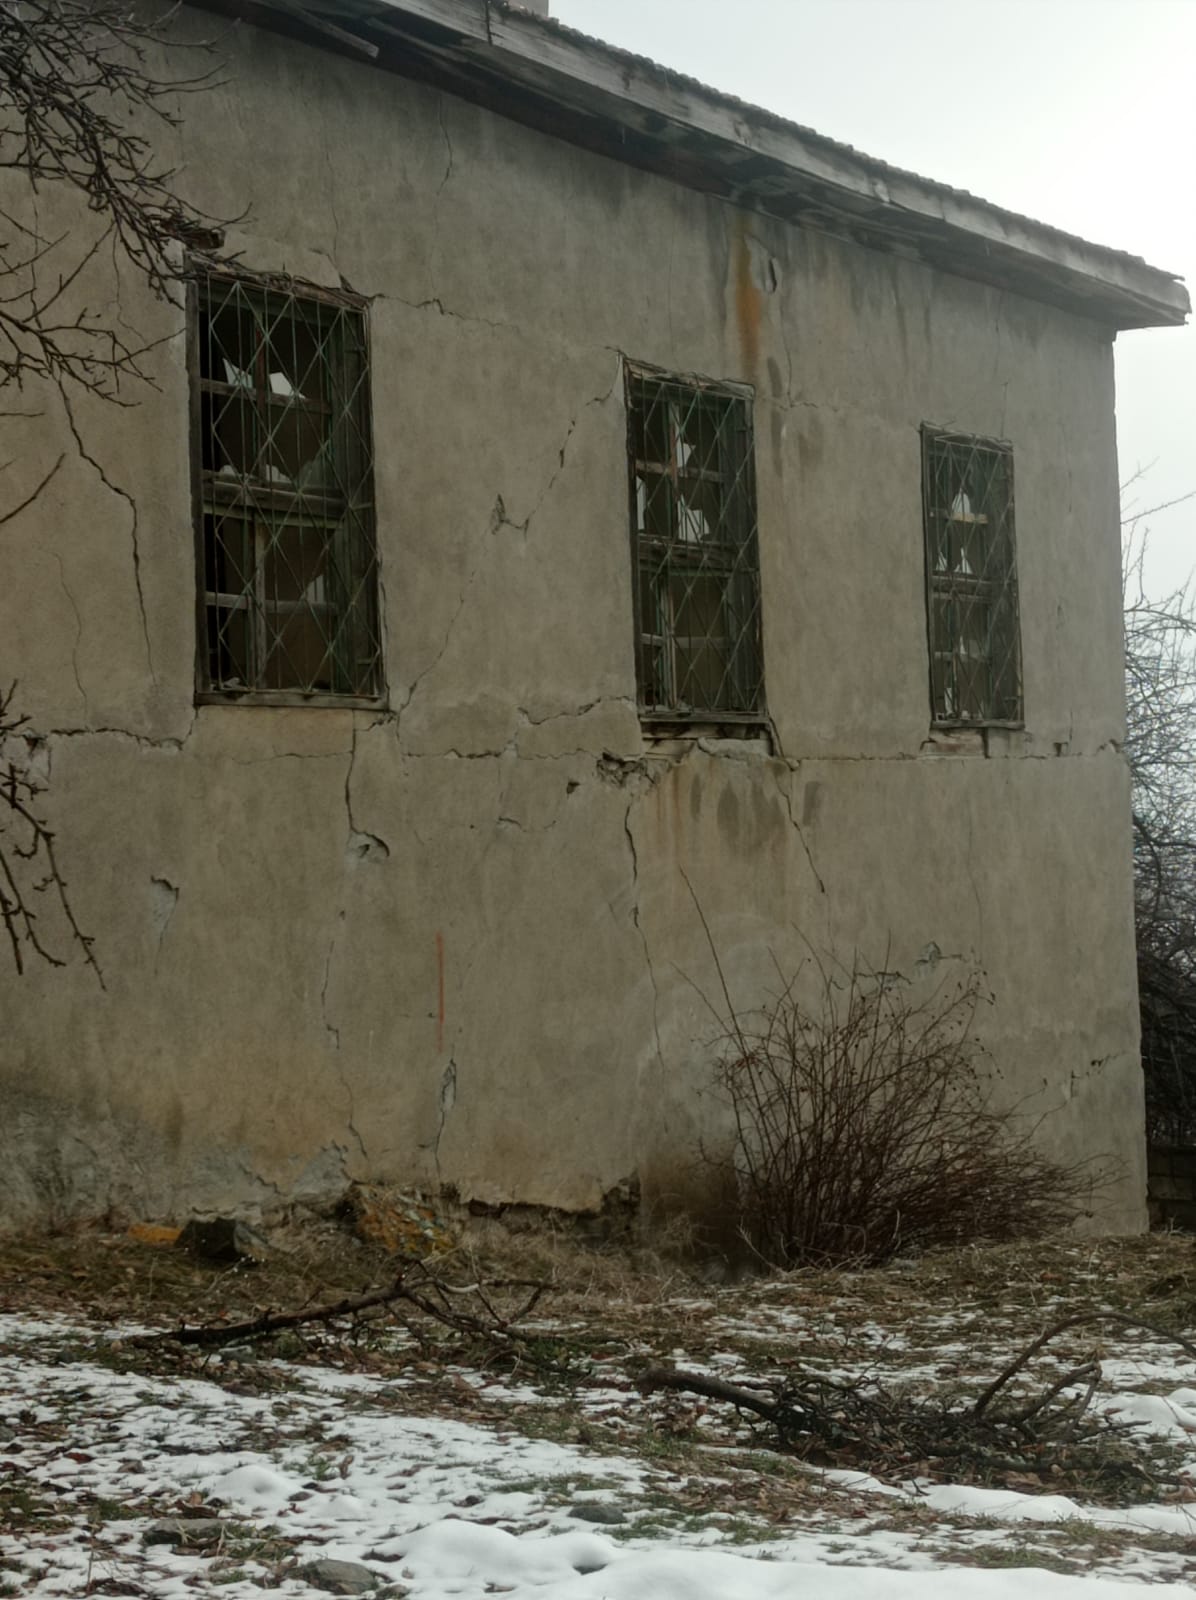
[(444, 643), (968, 865), (122, 494), (446, 1100), (166, 898), (176, 742), (361, 845), (578, 711), (349, 1122), (786, 793), (332, 1031), (78, 632), (596, 400), (435, 303), (498, 519), (448, 147), (145, 740), (434, 244), (336, 226), (638, 923)]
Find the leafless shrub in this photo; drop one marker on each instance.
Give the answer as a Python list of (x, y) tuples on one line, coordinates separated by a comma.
[(865, 1125)]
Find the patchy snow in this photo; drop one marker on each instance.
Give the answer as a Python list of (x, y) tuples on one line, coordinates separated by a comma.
[(316, 1462), (452, 1559)]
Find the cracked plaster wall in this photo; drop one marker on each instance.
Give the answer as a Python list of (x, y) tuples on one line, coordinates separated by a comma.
[(455, 942)]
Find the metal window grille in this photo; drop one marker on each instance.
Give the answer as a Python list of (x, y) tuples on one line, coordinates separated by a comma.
[(971, 580), (694, 549), (288, 567)]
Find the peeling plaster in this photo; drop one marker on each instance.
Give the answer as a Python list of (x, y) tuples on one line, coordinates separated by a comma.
[(164, 898)]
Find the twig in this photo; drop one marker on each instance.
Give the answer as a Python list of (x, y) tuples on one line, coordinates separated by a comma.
[(1085, 1319)]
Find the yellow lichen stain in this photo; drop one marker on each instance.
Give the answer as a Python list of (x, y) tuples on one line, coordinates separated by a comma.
[(748, 299), (153, 1233), (403, 1224)]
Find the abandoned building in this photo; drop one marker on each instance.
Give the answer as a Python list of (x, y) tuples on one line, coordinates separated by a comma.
[(581, 520)]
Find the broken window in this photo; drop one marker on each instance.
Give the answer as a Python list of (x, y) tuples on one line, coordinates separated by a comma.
[(287, 554), (971, 580), (696, 567)]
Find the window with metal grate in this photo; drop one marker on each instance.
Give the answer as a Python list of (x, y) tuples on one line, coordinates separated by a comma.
[(971, 581), (285, 509), (694, 550)]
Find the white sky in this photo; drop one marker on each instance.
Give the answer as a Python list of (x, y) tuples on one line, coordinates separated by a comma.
[(1081, 113)]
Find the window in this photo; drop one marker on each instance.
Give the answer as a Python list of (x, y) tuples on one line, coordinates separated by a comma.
[(288, 571), (696, 568), (971, 580)]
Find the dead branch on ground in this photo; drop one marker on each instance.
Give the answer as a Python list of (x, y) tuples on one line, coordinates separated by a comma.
[(417, 1287), (860, 1424)]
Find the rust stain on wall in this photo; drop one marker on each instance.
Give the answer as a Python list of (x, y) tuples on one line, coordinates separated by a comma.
[(747, 299)]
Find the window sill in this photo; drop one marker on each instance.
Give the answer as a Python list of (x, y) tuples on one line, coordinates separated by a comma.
[(293, 698), (682, 733), (980, 726), (991, 739)]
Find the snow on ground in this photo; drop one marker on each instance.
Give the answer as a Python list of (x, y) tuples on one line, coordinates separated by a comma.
[(319, 1463)]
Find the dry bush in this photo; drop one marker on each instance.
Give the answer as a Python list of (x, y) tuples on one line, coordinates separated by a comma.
[(866, 1126)]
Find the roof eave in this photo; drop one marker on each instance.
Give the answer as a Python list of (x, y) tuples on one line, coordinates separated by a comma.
[(542, 74)]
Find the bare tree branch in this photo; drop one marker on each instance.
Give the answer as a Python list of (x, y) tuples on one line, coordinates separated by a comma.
[(86, 87), (1160, 673)]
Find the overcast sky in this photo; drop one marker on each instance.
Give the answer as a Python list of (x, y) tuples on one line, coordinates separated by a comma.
[(1081, 113)]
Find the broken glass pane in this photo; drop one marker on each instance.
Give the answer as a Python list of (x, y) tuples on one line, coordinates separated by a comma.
[(697, 572), (286, 463)]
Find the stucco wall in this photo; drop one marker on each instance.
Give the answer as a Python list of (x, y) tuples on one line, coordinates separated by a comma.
[(454, 943)]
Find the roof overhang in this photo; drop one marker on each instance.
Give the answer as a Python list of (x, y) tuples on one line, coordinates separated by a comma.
[(540, 73)]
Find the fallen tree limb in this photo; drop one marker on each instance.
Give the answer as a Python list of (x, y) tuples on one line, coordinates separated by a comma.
[(275, 1322), (712, 1388), (1050, 1437), (431, 1299)]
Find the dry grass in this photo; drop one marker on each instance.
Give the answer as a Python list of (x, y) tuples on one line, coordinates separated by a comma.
[(109, 1275), (941, 1325)]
